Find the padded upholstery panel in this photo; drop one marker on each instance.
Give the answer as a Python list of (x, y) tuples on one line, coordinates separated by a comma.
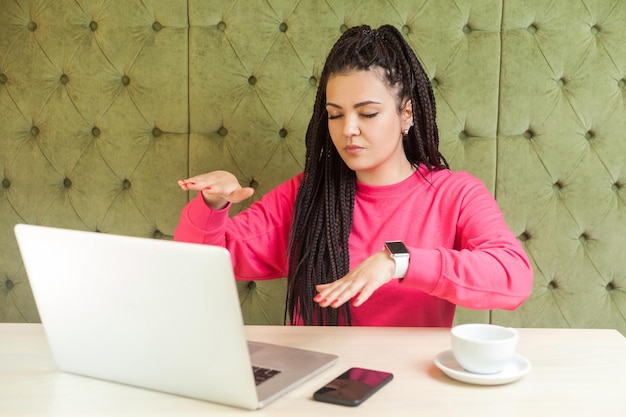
[(93, 123), (250, 116), (561, 158), (105, 104)]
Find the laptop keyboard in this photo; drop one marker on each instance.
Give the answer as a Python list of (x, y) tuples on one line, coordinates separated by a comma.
[(263, 374)]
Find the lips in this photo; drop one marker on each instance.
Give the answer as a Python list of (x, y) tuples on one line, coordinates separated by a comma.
[(352, 149)]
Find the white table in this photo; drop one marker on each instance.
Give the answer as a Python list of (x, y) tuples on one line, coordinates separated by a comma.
[(575, 373)]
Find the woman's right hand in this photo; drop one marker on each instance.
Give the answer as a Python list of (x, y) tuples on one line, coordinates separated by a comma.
[(218, 188)]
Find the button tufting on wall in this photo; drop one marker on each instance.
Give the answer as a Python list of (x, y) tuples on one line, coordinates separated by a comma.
[(434, 82), (558, 186), (528, 135), (525, 236), (6, 183), (34, 131), (589, 135), (125, 79), (616, 186), (157, 234), (594, 30), (252, 80), (93, 25), (126, 184), (282, 133), (622, 83), (553, 285), (610, 286), (343, 28), (157, 26), (156, 132), (254, 184), (95, 132), (406, 29), (584, 237), (221, 26), (67, 183), (463, 135), (561, 82), (283, 27), (3, 79), (9, 284), (313, 81), (222, 131), (32, 26), (64, 79), (251, 285), (467, 29), (532, 29)]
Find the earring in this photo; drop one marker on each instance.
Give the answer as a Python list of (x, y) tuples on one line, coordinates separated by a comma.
[(405, 132)]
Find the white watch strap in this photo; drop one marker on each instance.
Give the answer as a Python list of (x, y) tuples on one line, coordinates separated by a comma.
[(402, 265)]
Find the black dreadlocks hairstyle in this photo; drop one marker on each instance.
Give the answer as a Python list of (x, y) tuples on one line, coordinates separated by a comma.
[(325, 200)]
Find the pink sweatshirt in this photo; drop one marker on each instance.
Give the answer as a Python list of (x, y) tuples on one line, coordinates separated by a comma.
[(462, 251)]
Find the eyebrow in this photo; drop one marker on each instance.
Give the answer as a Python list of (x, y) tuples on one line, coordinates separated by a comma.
[(357, 105)]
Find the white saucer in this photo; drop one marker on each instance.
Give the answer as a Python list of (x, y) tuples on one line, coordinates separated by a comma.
[(514, 370)]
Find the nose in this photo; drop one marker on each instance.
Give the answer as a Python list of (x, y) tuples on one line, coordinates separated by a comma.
[(351, 126)]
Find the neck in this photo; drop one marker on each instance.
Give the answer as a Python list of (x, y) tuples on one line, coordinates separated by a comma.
[(389, 177)]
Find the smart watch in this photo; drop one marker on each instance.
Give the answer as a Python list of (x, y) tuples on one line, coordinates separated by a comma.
[(400, 254)]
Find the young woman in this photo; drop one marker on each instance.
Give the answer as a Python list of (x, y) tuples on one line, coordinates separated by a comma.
[(377, 230)]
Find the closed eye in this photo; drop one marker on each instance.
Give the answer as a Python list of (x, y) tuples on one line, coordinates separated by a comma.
[(370, 115)]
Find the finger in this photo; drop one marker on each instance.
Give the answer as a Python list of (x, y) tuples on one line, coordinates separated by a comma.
[(322, 287), (194, 184), (323, 291), (362, 297), (336, 294), (185, 184)]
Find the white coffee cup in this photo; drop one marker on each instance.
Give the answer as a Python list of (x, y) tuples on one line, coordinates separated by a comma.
[(483, 348)]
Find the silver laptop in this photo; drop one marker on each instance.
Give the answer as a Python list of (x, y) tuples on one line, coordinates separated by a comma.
[(154, 314)]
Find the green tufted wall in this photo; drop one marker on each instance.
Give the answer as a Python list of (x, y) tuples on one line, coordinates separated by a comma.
[(104, 105), (562, 157)]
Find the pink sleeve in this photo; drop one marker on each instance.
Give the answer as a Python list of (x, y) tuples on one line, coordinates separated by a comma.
[(257, 238), (487, 269), (200, 224)]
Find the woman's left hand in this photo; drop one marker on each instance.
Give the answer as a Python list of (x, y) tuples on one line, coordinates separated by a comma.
[(362, 281)]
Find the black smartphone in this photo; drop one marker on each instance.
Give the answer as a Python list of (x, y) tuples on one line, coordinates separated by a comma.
[(352, 387)]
